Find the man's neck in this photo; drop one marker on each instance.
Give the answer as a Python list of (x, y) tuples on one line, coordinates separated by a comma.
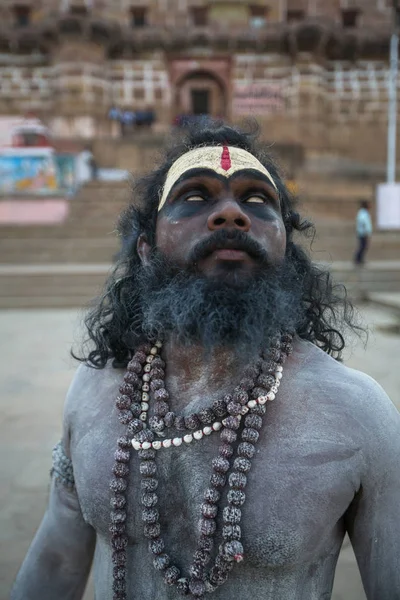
[(195, 377)]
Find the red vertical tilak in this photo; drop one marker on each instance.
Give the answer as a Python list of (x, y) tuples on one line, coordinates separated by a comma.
[(225, 158)]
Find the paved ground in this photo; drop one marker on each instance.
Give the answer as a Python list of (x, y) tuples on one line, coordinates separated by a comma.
[(34, 374)]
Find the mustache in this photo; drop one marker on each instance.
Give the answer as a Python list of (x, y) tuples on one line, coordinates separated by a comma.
[(238, 240)]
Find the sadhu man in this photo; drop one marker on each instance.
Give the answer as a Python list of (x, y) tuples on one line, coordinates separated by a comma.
[(212, 444)]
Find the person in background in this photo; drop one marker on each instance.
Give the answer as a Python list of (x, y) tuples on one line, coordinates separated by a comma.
[(364, 232), (94, 169), (83, 168), (114, 113), (86, 167), (128, 120)]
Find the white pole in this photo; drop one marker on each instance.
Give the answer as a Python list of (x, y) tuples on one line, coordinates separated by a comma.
[(392, 116)]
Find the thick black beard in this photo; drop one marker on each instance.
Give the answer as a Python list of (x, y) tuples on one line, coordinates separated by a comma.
[(243, 313)]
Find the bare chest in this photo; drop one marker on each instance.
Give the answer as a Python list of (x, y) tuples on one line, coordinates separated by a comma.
[(302, 480)]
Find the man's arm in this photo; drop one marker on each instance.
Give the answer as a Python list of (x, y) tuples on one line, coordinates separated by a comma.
[(58, 561), (373, 519)]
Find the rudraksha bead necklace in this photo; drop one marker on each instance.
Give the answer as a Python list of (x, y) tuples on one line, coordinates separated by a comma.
[(238, 417)]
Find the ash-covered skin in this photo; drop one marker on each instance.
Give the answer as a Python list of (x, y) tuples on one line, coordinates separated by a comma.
[(327, 459)]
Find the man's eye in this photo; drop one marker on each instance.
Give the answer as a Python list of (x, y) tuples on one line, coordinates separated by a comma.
[(194, 198), (255, 200)]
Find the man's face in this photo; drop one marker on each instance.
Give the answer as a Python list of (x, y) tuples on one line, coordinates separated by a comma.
[(245, 207)]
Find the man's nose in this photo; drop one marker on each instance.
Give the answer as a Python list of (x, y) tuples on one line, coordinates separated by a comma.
[(228, 215)]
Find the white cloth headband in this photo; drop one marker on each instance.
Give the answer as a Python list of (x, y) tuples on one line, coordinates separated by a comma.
[(224, 160)]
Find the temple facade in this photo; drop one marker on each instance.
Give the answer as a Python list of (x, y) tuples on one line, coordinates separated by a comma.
[(313, 72)]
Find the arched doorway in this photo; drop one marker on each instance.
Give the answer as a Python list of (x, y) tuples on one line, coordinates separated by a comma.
[(200, 93)]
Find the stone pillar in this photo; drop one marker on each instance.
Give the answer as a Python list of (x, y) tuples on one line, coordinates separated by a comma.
[(312, 110), (81, 88)]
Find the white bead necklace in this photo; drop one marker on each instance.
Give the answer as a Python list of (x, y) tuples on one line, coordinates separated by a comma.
[(200, 433)]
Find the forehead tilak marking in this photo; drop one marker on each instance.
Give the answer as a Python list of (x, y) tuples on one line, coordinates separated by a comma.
[(224, 161)]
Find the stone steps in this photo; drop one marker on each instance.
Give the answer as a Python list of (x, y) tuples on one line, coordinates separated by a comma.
[(97, 250), (75, 285), (335, 242)]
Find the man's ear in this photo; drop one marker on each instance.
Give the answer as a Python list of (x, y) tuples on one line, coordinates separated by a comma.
[(143, 249)]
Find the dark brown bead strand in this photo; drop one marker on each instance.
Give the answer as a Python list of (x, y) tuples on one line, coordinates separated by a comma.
[(219, 407), (265, 381), (179, 423), (134, 366), (140, 357), (246, 450), (156, 372), (169, 419), (136, 409), (155, 384), (135, 426), (116, 528), (156, 424), (206, 416), (132, 378), (119, 540), (241, 396), (118, 501), (182, 585), (129, 408), (125, 416), (226, 450), (221, 466), (228, 435), (148, 471), (157, 546), (259, 409), (124, 442), (231, 549), (258, 391), (192, 422), (171, 575), (250, 435), (118, 485), (123, 402), (161, 409), (158, 362), (235, 408), (268, 367), (252, 420), (161, 396)]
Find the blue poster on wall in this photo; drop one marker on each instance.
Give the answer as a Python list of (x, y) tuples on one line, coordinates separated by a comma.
[(36, 171)]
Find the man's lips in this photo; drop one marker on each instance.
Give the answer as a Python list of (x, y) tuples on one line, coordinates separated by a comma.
[(230, 254)]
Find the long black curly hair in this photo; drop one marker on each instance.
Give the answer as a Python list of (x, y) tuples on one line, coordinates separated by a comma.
[(114, 322)]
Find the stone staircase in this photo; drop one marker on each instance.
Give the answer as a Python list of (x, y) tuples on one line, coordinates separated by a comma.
[(87, 236), (50, 286)]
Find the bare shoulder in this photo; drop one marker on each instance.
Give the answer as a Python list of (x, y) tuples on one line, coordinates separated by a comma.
[(90, 395), (344, 383), (90, 386), (359, 403)]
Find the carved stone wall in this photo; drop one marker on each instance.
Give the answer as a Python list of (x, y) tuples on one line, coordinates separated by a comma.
[(309, 79)]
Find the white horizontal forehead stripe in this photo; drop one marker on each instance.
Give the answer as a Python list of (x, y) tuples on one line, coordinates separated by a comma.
[(209, 157)]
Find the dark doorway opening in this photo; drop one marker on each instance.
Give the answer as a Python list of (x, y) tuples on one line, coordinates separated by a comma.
[(200, 102), (22, 15)]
